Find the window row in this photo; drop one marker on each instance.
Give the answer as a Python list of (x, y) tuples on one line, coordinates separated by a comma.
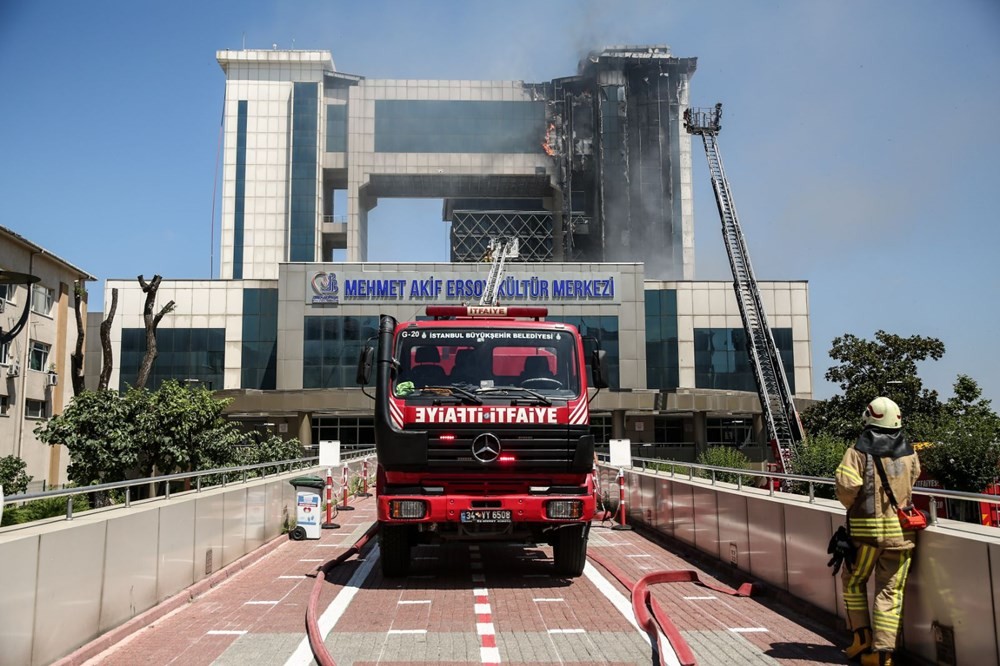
[(406, 126)]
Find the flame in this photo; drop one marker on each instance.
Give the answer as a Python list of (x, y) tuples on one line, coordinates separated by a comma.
[(546, 146)]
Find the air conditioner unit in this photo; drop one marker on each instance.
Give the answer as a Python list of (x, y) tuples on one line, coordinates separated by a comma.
[(51, 379), (14, 369)]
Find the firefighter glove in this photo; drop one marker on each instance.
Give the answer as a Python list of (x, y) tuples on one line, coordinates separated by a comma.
[(842, 549)]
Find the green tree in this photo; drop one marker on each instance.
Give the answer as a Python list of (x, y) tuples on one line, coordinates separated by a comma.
[(112, 437), (965, 454), (866, 369), (820, 457), (13, 478), (97, 429)]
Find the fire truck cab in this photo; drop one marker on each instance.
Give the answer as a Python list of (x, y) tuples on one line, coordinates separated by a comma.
[(482, 431)]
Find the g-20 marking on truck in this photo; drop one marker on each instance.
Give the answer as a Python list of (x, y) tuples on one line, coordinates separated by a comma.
[(482, 430)]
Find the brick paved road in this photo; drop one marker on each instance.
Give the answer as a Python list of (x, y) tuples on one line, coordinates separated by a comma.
[(461, 604)]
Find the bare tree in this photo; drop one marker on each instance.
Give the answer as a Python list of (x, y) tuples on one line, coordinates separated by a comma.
[(151, 322), (76, 358), (108, 358)]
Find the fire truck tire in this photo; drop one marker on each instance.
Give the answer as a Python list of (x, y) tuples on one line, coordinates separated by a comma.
[(395, 545), (570, 550)]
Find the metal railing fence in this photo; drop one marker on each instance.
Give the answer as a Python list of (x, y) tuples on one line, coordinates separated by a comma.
[(225, 473), (790, 481)]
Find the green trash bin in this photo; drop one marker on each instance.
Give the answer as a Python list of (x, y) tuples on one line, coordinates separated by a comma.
[(308, 507)]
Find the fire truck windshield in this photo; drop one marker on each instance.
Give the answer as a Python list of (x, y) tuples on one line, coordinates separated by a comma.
[(543, 361)]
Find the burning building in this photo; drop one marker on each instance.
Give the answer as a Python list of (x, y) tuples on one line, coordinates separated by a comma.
[(591, 167)]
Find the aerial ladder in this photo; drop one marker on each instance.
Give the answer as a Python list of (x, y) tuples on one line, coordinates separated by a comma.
[(500, 250), (784, 427)]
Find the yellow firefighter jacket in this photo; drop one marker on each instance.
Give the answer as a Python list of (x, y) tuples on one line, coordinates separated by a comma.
[(871, 518)]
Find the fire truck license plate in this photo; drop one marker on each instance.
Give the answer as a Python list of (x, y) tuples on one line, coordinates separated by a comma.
[(485, 516)]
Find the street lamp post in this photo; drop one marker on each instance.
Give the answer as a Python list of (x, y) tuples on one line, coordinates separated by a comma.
[(14, 278)]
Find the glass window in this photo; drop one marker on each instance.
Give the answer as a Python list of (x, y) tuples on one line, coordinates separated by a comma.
[(433, 126), (722, 361), (193, 356), (4, 405), (5, 353), (38, 355), (260, 339), (336, 128), (662, 366), (331, 346), (603, 329), (41, 299), (35, 409), (6, 291), (542, 360), (302, 212)]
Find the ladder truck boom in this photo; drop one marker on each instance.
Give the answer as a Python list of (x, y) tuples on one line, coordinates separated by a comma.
[(500, 250), (781, 419)]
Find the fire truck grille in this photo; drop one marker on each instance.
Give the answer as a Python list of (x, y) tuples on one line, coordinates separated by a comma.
[(521, 451)]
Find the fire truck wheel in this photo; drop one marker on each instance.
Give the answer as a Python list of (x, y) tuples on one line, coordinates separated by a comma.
[(570, 550), (395, 545)]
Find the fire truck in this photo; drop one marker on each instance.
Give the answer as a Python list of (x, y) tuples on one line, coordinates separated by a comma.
[(482, 431)]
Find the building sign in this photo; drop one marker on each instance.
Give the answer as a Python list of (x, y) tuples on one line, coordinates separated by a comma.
[(336, 287)]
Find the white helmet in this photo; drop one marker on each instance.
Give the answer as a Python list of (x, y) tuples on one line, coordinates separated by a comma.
[(884, 413)]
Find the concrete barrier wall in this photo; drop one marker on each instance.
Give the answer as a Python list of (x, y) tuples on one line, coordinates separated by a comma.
[(954, 580), (65, 583)]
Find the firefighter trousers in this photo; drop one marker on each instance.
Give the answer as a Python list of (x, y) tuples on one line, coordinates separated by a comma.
[(891, 568)]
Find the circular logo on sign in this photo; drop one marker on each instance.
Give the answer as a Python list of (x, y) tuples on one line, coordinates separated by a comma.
[(486, 447)]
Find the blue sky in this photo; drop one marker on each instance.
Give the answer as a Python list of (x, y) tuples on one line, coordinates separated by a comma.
[(860, 138)]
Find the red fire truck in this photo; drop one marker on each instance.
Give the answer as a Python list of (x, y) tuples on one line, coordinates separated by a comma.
[(482, 431)]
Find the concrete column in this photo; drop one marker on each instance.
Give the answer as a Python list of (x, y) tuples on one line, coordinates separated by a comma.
[(618, 424), (700, 433), (305, 429)]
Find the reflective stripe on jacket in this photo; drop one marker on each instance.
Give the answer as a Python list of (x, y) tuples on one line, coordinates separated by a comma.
[(870, 516)]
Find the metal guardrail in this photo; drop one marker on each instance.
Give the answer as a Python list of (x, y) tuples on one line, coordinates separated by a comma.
[(280, 467), (654, 465)]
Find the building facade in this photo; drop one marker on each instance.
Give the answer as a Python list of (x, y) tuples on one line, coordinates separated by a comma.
[(591, 172), (35, 381)]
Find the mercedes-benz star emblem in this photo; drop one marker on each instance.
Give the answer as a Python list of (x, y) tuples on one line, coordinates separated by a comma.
[(486, 447)]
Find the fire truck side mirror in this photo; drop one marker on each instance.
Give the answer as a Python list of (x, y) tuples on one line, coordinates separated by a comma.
[(365, 360), (599, 368)]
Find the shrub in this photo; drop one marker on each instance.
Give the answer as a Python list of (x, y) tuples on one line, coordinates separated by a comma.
[(12, 475), (725, 456), (819, 456), (50, 507)]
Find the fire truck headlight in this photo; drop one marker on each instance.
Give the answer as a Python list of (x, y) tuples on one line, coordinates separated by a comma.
[(403, 509), (564, 509)]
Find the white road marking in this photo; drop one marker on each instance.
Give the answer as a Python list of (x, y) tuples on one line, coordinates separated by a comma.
[(624, 606), (479, 592), (260, 603), (419, 601), (303, 653), (407, 631), (699, 598), (299, 577), (489, 655), (638, 556), (542, 600), (485, 629), (567, 631), (748, 630), (482, 609)]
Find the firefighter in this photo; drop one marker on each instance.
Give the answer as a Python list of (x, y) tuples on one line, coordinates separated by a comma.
[(882, 545)]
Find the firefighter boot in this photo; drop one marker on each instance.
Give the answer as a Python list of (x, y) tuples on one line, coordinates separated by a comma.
[(876, 659), (862, 643)]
